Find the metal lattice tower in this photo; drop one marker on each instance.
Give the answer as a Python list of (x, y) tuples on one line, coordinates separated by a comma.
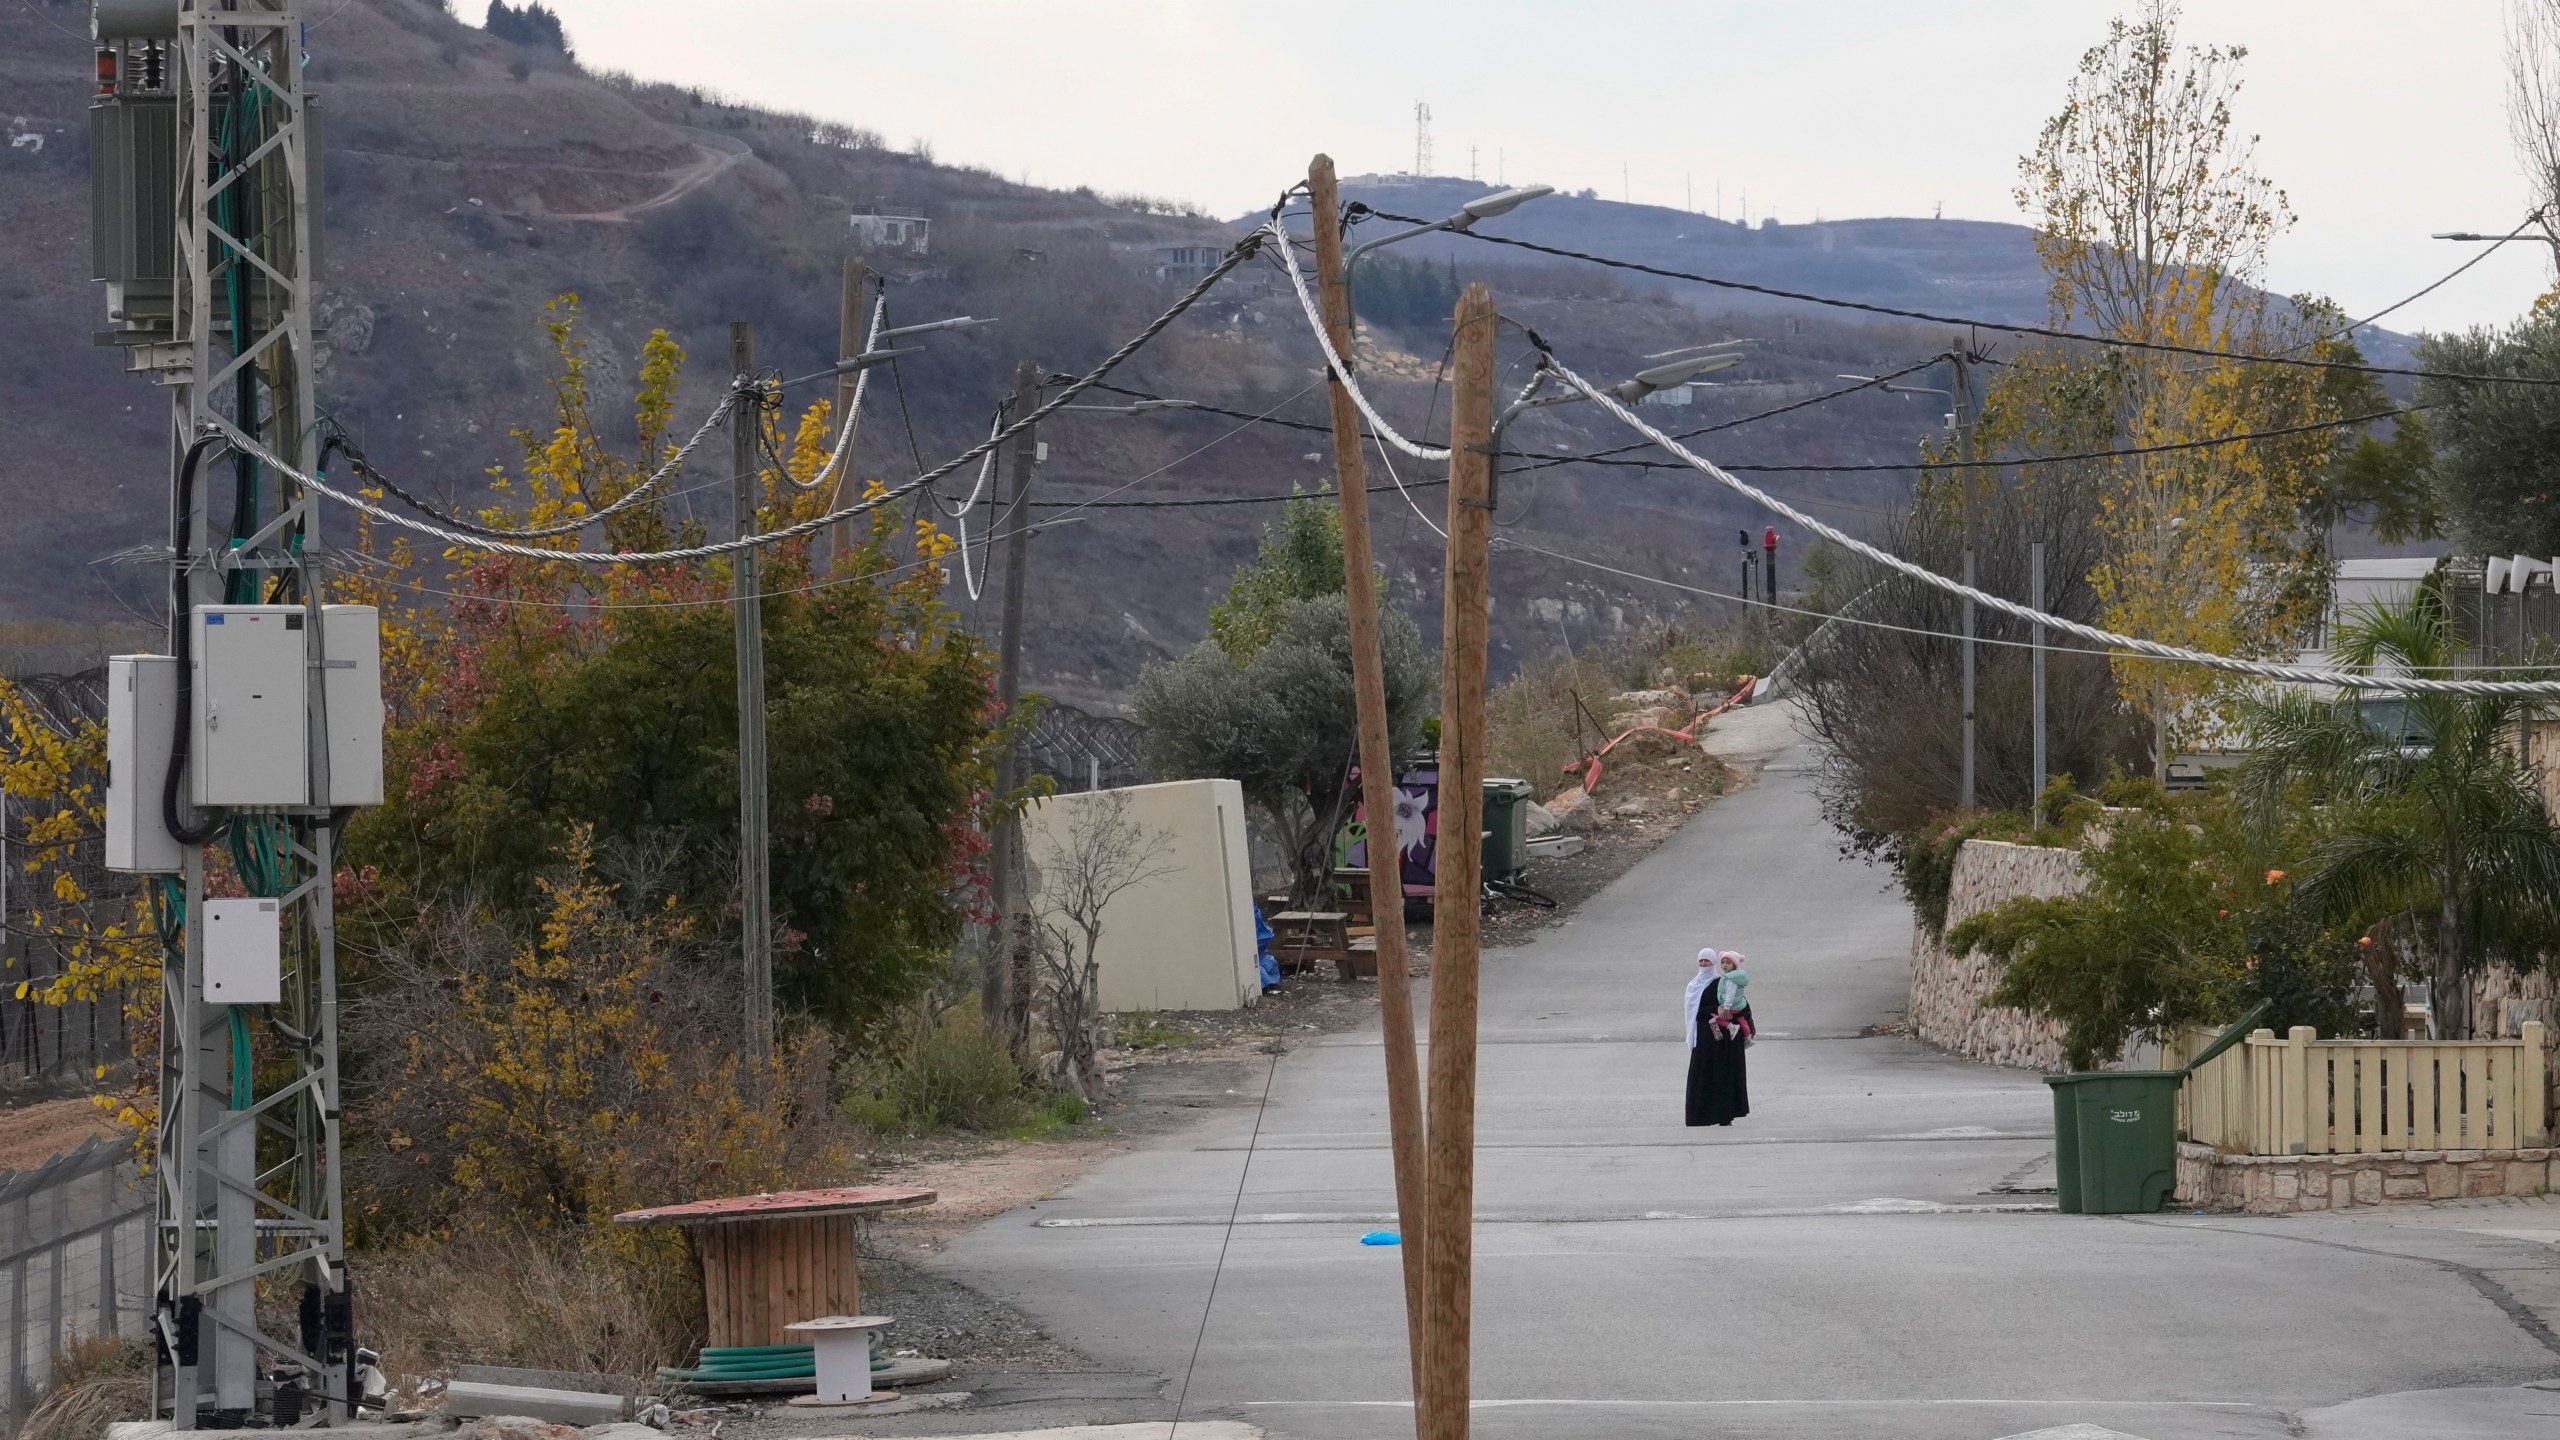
[(203, 101)]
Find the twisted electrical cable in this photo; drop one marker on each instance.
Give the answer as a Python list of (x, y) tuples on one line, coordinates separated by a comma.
[(1315, 321)]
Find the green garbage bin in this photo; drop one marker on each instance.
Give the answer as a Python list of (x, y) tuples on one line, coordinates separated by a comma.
[(1506, 827), (2122, 1141)]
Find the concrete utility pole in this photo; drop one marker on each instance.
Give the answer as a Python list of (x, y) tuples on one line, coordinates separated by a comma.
[(2035, 588), (1961, 357), (1377, 775), (1009, 961), (1457, 893), (755, 872), (855, 324)]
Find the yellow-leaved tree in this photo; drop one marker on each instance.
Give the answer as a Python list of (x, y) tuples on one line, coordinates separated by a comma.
[(2153, 223)]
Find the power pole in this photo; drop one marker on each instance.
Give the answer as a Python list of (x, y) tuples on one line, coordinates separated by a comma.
[(203, 127), (1377, 776), (1457, 892), (1962, 358), (853, 324), (755, 875), (2035, 587), (1008, 965)]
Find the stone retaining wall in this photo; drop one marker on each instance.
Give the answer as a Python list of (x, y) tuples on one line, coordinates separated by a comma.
[(1947, 990), (2283, 1184)]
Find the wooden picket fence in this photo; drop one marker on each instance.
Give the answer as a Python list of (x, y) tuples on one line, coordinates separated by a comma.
[(2302, 1095)]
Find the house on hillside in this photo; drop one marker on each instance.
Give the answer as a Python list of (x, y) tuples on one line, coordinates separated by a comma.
[(1186, 264), (877, 229)]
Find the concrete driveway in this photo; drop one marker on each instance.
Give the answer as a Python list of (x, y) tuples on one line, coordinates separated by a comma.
[(1851, 1260)]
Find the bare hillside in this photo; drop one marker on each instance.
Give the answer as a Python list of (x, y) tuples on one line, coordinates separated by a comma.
[(470, 181)]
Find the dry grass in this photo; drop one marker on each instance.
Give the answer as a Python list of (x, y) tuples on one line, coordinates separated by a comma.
[(98, 1380), (621, 1304)]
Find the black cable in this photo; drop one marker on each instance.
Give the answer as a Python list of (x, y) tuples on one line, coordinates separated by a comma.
[(2045, 331), (1603, 457), (2160, 449), (1183, 1397), (182, 736), (1217, 500)]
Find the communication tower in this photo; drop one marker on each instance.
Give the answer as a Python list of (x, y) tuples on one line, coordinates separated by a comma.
[(260, 730)]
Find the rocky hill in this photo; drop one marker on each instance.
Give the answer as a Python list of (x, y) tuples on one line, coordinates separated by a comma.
[(470, 180)]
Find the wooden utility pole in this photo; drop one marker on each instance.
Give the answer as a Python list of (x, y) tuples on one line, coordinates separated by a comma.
[(1449, 1233), (853, 336), (1009, 962), (1377, 773), (755, 882), (1962, 356)]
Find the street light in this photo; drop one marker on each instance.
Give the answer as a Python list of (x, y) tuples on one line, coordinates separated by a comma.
[(1630, 391), (1136, 407), (1483, 207), (956, 322)]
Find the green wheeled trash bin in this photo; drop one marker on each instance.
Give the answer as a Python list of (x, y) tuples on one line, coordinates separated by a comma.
[(1506, 827), (2122, 1136)]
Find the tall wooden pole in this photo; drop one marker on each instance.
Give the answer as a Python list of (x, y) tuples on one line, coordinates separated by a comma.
[(853, 335), (1377, 774), (1450, 1187), (746, 494), (1004, 988)]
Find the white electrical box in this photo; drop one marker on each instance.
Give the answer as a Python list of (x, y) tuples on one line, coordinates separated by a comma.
[(243, 952), (142, 715), (352, 685), (250, 717)]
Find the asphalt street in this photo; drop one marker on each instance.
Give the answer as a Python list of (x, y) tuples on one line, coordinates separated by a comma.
[(1854, 1259)]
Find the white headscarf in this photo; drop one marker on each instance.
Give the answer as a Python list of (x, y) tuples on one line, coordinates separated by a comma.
[(1707, 975)]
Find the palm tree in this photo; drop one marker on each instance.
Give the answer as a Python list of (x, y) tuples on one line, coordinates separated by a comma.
[(2426, 809)]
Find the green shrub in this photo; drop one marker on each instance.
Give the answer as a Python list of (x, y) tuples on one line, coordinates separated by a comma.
[(1052, 1118), (931, 1071)]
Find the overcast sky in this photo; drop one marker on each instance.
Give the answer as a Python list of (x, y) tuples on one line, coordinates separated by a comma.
[(2383, 120)]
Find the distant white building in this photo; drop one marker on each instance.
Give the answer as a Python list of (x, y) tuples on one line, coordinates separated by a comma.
[(2386, 582), (877, 229), (1186, 264)]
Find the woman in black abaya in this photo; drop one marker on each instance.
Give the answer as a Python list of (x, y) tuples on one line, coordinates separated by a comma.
[(1718, 1093)]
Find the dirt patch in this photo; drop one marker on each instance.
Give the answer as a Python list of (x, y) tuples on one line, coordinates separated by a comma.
[(33, 1134)]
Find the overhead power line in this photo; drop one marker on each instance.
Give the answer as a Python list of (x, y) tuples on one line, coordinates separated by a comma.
[(1243, 250), (2007, 327), (2135, 645)]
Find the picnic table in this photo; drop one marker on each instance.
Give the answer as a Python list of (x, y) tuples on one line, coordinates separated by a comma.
[(1302, 938)]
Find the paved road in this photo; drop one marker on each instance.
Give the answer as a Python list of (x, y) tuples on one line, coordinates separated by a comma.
[(1843, 1263)]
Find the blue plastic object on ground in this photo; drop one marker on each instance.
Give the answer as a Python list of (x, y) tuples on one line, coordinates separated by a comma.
[(1262, 936), (1382, 1237)]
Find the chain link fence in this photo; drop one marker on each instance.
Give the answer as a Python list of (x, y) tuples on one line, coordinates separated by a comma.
[(75, 1262)]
